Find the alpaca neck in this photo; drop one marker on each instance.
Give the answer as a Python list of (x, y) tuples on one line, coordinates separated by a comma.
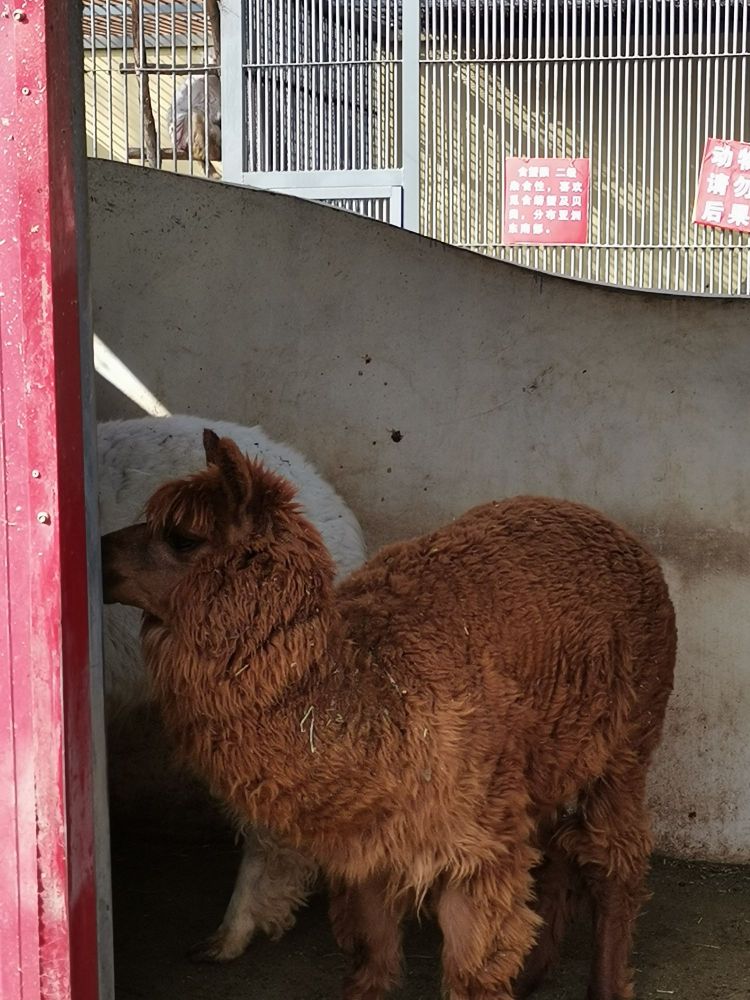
[(230, 721)]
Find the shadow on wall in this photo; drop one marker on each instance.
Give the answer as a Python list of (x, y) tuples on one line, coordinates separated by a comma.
[(421, 380)]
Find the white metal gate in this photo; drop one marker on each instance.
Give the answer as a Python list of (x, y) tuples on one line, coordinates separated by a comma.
[(325, 94)]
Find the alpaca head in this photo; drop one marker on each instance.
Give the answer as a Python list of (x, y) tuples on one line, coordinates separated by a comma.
[(224, 557)]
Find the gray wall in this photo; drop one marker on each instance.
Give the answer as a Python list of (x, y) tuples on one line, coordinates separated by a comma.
[(333, 332)]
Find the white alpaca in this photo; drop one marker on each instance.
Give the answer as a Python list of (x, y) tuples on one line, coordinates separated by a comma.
[(135, 457), (191, 124)]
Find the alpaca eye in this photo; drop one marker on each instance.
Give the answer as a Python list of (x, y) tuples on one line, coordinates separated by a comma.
[(182, 543)]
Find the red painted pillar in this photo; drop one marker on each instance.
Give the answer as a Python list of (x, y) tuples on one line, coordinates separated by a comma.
[(48, 945)]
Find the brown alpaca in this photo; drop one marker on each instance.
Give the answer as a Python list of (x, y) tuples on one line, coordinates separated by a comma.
[(467, 702)]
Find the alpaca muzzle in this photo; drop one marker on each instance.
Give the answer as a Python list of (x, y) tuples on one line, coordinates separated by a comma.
[(119, 574)]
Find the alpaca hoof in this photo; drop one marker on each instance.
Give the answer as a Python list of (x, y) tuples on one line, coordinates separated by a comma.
[(219, 947), (276, 929)]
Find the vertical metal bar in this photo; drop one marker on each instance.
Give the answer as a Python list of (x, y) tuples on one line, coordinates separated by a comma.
[(450, 110), (157, 63), (638, 184), (670, 172), (267, 59), (727, 282), (564, 112), (442, 131), (556, 79), (629, 179), (393, 78), (372, 160), (712, 112), (363, 163), (172, 124), (382, 109), (332, 57), (538, 151), (190, 81), (602, 184), (254, 83), (338, 164), (744, 134), (702, 135), (595, 178), (499, 153), (274, 57), (207, 112), (124, 85), (431, 106), (719, 117), (579, 34), (110, 84), (320, 57), (138, 48), (482, 225), (48, 902), (315, 122), (474, 150), (461, 166), (464, 158), (234, 121), (92, 51), (410, 84), (346, 109), (287, 81), (685, 97), (701, 130)]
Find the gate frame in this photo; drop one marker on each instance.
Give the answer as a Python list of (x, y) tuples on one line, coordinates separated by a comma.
[(54, 877), (394, 196), (317, 185)]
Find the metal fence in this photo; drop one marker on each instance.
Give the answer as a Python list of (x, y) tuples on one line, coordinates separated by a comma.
[(405, 110)]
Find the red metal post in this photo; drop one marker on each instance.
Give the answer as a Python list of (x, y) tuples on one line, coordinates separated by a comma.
[(48, 943)]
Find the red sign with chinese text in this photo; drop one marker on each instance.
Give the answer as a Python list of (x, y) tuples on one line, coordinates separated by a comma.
[(546, 200), (723, 198)]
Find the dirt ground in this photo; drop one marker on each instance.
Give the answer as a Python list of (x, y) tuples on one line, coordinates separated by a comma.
[(693, 940)]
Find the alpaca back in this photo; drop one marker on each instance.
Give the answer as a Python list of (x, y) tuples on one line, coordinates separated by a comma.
[(540, 618), (135, 458)]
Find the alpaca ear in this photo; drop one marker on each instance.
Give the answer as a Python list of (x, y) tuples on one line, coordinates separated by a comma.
[(211, 442), (235, 474)]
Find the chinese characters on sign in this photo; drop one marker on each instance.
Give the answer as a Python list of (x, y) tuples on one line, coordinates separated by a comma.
[(723, 198), (546, 200)]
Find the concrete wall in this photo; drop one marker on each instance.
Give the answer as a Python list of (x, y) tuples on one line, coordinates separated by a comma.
[(335, 333)]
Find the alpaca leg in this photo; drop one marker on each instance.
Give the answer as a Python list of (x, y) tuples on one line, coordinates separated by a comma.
[(370, 925), (612, 845), (342, 916), (558, 891), (272, 882), (488, 928)]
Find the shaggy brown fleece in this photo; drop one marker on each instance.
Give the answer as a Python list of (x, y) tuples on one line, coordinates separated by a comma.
[(467, 702)]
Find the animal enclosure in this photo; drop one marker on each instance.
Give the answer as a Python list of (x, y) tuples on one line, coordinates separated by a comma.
[(420, 379)]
